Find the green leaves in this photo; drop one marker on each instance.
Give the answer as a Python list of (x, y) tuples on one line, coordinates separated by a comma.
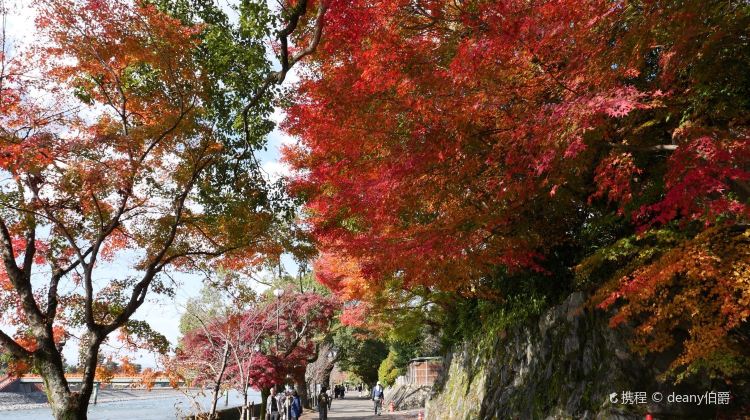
[(359, 354), (141, 79), (139, 334)]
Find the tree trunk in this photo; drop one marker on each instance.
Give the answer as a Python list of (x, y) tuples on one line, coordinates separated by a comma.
[(65, 404), (325, 373), (71, 412), (300, 385), (319, 369), (244, 410), (219, 379), (264, 393)]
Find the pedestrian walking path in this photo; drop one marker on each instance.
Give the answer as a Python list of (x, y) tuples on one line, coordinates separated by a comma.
[(360, 409)]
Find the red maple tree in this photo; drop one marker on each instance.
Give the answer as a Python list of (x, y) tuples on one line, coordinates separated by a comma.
[(256, 348), (442, 140)]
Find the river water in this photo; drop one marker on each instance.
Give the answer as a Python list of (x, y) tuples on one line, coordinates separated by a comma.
[(164, 407)]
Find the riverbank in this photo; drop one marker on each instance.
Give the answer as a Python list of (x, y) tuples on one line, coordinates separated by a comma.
[(121, 404), (11, 401)]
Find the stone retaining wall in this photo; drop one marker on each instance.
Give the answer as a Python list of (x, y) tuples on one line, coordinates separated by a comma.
[(562, 365)]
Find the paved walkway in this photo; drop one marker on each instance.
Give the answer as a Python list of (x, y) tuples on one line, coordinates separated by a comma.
[(360, 409)]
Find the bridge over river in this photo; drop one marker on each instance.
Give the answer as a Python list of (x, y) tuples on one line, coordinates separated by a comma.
[(126, 380)]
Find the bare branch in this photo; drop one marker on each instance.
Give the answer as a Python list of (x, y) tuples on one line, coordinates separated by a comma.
[(278, 77), (138, 294)]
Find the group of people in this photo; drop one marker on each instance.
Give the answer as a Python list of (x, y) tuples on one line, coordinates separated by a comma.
[(288, 405), (283, 406), (339, 391)]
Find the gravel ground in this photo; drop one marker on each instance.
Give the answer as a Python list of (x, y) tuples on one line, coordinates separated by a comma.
[(13, 401)]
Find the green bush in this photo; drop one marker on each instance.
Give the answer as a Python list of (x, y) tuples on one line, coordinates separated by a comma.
[(388, 371)]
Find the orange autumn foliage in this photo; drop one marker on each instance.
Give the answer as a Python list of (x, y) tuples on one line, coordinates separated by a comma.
[(104, 374), (343, 276), (700, 290)]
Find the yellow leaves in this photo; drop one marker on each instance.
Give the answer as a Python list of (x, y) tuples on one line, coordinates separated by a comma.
[(103, 374), (702, 284)]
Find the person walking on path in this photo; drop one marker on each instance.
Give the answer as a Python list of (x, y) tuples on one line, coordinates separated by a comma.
[(287, 404), (296, 406), (324, 402), (273, 406), (361, 409), (377, 398)]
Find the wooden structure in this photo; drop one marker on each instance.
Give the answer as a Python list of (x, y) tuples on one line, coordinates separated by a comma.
[(423, 371)]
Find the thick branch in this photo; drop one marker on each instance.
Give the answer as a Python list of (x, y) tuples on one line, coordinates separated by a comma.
[(14, 348), (30, 251), (277, 77), (89, 371), (57, 274), (8, 253), (138, 295), (20, 280)]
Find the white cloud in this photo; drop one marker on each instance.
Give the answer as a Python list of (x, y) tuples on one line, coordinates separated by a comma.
[(276, 169)]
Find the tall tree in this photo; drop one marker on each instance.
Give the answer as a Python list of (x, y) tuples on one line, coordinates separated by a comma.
[(109, 144)]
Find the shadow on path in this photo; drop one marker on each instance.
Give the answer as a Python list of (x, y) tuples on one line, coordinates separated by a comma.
[(360, 409)]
